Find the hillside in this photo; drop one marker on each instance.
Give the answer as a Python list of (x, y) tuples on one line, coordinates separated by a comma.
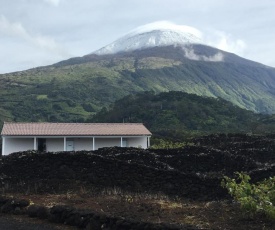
[(178, 115), (72, 90)]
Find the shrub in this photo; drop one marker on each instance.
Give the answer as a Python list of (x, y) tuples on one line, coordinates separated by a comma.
[(166, 144), (253, 198)]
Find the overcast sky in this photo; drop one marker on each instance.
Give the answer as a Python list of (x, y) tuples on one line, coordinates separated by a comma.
[(42, 32)]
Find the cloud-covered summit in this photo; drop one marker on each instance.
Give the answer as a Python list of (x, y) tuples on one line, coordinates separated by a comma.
[(164, 33), (160, 33), (166, 26)]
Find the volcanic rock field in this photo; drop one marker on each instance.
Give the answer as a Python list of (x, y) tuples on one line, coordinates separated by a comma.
[(193, 172)]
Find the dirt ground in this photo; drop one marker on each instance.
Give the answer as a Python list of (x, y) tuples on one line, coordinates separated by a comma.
[(158, 209)]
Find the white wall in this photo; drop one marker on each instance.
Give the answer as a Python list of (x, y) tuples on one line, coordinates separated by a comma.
[(131, 142), (106, 142), (18, 144), (83, 144), (54, 144), (137, 142), (57, 144)]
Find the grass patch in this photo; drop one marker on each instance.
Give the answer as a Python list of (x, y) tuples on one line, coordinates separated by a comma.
[(42, 97)]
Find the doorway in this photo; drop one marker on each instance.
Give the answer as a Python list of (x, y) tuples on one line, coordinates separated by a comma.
[(70, 145), (41, 145), (124, 143)]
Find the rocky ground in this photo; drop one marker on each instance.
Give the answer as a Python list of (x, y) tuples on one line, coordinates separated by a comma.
[(12, 222), (126, 188)]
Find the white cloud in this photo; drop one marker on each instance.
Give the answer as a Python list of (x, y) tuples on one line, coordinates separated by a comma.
[(226, 42), (190, 54), (166, 25), (12, 29), (17, 31), (53, 2)]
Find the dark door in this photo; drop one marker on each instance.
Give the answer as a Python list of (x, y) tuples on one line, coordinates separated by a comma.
[(41, 145)]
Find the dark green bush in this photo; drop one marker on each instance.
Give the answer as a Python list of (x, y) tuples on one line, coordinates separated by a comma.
[(253, 198)]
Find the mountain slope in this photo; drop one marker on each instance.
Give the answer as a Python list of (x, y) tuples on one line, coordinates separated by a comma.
[(179, 115), (71, 90), (195, 68)]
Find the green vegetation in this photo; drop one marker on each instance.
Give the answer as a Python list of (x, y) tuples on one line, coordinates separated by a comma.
[(167, 144), (253, 198), (180, 115)]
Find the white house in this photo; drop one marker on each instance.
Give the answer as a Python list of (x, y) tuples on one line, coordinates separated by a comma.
[(53, 137)]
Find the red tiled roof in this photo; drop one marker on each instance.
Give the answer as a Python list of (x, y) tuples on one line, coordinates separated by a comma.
[(73, 129)]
